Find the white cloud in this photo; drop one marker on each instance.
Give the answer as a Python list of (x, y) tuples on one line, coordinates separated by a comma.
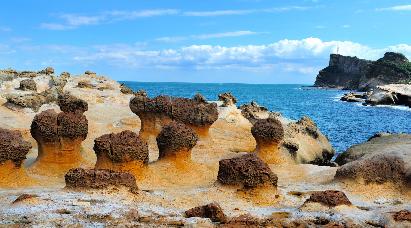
[(72, 21), (4, 29), (305, 56), (396, 8), (293, 55), (346, 26), (242, 12), (174, 39)]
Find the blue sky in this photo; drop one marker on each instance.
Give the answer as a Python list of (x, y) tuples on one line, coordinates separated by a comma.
[(247, 41)]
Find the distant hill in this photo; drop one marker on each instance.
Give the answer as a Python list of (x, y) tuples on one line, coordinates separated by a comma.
[(347, 72)]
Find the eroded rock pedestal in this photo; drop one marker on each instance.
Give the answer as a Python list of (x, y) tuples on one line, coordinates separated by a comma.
[(124, 151), (175, 142), (59, 136), (157, 112), (268, 134), (13, 151)]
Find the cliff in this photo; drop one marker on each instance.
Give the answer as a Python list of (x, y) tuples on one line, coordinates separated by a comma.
[(347, 72)]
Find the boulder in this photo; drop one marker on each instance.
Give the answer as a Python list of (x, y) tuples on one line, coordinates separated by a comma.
[(98, 179), (175, 138), (254, 111), (330, 198), (268, 130), (247, 170), (90, 73), (212, 211), (28, 85), (199, 98), (352, 97), (227, 99), (72, 104), (13, 147), (403, 215), (47, 71), (125, 89), (381, 97), (122, 147)]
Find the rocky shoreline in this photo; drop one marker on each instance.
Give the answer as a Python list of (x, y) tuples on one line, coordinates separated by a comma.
[(86, 150), (386, 81)]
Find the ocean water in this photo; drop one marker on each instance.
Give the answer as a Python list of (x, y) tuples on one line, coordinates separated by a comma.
[(345, 124)]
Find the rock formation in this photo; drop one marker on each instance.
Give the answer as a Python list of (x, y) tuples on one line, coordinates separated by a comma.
[(213, 211), (124, 151), (254, 111), (79, 178), (13, 151), (403, 215), (268, 134), (125, 89), (28, 85), (383, 159), (357, 74), (59, 135), (247, 170), (175, 141), (159, 111), (330, 198), (227, 99)]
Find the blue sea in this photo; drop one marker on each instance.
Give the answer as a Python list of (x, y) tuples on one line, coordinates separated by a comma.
[(345, 124)]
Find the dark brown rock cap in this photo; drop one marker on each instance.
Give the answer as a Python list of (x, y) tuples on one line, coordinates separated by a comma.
[(329, 198), (28, 85), (403, 215), (227, 99), (195, 111), (48, 126), (248, 170), (69, 103), (98, 178), (213, 211), (125, 146), (175, 137), (13, 147), (268, 130)]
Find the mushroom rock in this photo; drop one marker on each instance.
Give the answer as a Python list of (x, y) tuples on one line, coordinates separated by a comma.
[(124, 151), (213, 211), (78, 178), (199, 98), (197, 115), (47, 71), (159, 111), (175, 142), (227, 99), (28, 85), (330, 198), (13, 151), (247, 170), (268, 134), (59, 136), (71, 104)]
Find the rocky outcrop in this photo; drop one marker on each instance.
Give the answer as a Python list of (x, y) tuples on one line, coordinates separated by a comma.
[(59, 135), (403, 215), (254, 111), (175, 139), (35, 100), (227, 99), (123, 151), (12, 147), (212, 211), (383, 159), (357, 74), (13, 151), (306, 144), (28, 85), (79, 178), (159, 111), (353, 97), (268, 134), (125, 89), (330, 198), (247, 170)]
